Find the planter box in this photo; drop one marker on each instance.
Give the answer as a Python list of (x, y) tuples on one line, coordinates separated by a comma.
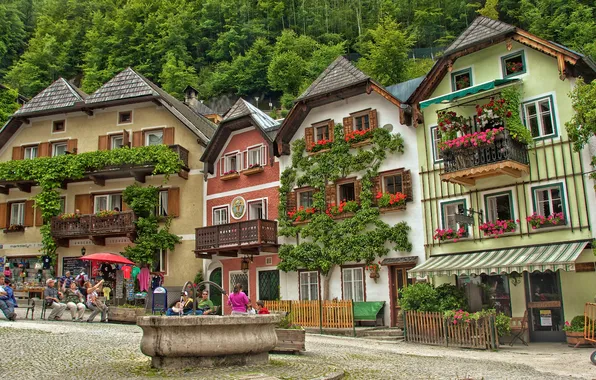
[(254, 170), (310, 153), (14, 229), (230, 176), (383, 210), (576, 339), (290, 340), (125, 314), (561, 222), (361, 143)]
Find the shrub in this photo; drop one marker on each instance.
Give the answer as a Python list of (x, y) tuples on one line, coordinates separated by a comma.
[(419, 297), (503, 323), (577, 324), (286, 323), (451, 297)]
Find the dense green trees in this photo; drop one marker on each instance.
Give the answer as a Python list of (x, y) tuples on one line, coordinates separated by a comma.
[(251, 46)]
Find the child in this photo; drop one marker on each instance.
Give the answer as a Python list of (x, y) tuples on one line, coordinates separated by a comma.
[(250, 310), (261, 308)]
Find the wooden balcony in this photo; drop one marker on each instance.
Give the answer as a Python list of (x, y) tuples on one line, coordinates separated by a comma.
[(93, 227), (505, 156), (249, 237)]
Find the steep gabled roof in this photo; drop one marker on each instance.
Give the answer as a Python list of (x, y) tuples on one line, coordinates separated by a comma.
[(243, 108), (404, 90), (58, 95), (339, 74), (482, 29), (201, 108), (126, 84)]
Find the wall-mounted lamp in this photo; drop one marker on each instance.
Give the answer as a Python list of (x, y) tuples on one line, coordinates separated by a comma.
[(83, 251), (244, 264)]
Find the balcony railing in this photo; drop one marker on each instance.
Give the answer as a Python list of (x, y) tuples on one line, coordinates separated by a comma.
[(93, 226), (182, 153), (233, 236)]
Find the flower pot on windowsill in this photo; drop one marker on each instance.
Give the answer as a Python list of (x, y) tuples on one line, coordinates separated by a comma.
[(227, 177), (560, 223), (14, 228), (383, 210), (374, 275), (253, 170), (576, 339)]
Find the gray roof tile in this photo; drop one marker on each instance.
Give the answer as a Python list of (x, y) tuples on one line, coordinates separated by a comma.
[(481, 29), (243, 108), (59, 94), (404, 90), (126, 84), (201, 108), (339, 74)]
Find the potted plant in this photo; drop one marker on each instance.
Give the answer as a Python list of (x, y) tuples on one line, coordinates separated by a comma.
[(374, 269), (106, 213), (387, 200), (449, 234), (302, 214), (575, 331), (356, 137), (290, 337), (343, 207), (498, 228), (14, 228), (540, 221), (321, 145)]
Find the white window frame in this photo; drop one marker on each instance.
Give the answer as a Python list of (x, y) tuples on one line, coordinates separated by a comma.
[(309, 276), (153, 132), (298, 193), (163, 265), (55, 147), (112, 141), (539, 115), (125, 123), (353, 286), (556, 185), (262, 202), (109, 202), (260, 153), (225, 162), (162, 207), (19, 209), (491, 211), (435, 140), (220, 210), (445, 216), (30, 149)]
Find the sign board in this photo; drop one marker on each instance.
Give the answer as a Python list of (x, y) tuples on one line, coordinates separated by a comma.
[(463, 219), (119, 294), (584, 267), (160, 300), (75, 266), (546, 318)]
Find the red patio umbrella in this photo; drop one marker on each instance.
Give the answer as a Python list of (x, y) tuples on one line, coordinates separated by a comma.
[(107, 258)]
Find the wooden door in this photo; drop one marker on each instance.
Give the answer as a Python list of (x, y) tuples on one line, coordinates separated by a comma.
[(399, 280)]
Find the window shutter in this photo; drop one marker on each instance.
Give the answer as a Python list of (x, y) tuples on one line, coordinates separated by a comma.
[(372, 119), (18, 153), (28, 222), (174, 201), (83, 203), (3, 215), (102, 143), (137, 138), (168, 136), (43, 150), (357, 190), (406, 179), (72, 146), (309, 138), (221, 166), (291, 201), (331, 194), (125, 138), (376, 187), (263, 156), (239, 162), (348, 125), (38, 217), (331, 130)]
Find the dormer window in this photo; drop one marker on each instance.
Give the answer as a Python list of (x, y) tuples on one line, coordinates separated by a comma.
[(256, 157), (58, 126), (461, 79), (125, 117), (513, 64)]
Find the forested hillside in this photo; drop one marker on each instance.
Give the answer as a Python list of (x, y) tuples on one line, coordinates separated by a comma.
[(251, 46)]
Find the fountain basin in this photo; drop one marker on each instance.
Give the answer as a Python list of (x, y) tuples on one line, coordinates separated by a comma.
[(208, 341)]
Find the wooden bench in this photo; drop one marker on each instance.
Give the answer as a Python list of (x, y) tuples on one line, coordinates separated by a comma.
[(519, 326), (25, 302)]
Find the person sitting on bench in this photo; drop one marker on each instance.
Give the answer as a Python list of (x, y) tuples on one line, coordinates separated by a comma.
[(184, 306), (205, 305), (7, 302)]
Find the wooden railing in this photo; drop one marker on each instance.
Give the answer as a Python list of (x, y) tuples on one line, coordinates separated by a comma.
[(434, 329), (182, 153), (93, 225), (502, 149), (336, 314), (259, 231), (590, 322)]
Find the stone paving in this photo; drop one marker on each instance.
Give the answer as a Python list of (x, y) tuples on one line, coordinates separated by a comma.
[(68, 350)]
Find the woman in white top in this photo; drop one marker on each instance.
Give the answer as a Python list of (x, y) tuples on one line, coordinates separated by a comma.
[(94, 303), (74, 301)]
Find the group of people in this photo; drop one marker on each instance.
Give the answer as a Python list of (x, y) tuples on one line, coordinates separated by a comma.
[(241, 304)]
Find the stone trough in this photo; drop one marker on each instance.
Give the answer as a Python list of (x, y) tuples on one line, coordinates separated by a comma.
[(208, 341)]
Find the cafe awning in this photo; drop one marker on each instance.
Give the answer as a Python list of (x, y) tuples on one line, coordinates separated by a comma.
[(467, 91), (531, 258)]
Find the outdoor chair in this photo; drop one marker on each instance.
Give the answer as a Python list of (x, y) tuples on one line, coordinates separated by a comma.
[(519, 326), (25, 302)]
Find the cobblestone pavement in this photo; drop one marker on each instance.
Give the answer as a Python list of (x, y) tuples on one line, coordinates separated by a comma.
[(68, 350)]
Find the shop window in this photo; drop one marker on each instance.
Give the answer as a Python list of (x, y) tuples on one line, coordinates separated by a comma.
[(539, 117), (353, 284), (393, 183), (448, 212), (305, 198), (59, 149), (220, 215), (513, 64), (17, 214), (58, 126), (116, 142), (257, 210), (347, 192), (309, 286), (544, 287), (112, 202), (159, 263), (461, 79), (162, 208), (125, 117), (154, 138), (322, 132), (256, 156), (499, 207), (487, 292), (30, 152), (361, 122)]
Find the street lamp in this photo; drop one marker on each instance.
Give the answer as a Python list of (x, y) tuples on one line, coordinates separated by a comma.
[(83, 251), (244, 264)]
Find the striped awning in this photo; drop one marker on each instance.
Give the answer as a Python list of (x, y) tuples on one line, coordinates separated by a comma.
[(531, 258)]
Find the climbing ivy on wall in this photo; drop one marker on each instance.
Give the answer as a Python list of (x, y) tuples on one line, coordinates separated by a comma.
[(325, 242), (50, 172)]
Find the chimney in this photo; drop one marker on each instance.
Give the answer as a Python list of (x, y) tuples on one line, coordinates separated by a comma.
[(190, 96)]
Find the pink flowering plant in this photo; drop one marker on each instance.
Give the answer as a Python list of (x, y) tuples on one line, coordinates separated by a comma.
[(472, 139), (498, 227), (449, 124), (230, 172), (494, 112), (536, 220), (449, 234)]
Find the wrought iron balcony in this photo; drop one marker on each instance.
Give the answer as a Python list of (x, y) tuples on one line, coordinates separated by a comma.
[(505, 155), (93, 227), (249, 237)]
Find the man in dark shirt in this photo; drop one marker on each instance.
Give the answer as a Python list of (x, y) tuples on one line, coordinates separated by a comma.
[(52, 298)]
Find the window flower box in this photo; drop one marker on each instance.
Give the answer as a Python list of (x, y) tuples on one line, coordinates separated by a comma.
[(498, 228), (106, 213), (253, 170), (359, 138), (343, 210), (14, 228), (476, 139), (321, 145), (302, 214), (447, 234), (232, 174), (388, 201), (539, 221)]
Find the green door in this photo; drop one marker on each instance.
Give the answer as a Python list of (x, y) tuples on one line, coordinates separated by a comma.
[(269, 285), (215, 295)]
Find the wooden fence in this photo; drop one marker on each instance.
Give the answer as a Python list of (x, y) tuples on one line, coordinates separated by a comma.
[(590, 322), (336, 314), (433, 328)]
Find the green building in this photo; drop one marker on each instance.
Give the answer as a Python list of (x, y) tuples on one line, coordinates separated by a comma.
[(506, 204)]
